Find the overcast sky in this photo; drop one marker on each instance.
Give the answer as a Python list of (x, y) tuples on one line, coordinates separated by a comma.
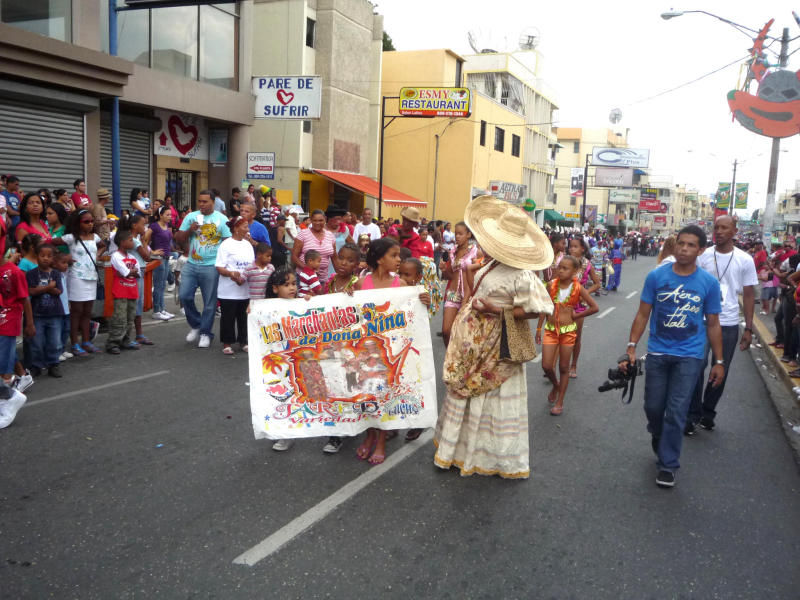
[(603, 55)]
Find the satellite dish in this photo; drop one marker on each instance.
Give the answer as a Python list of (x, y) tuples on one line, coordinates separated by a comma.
[(529, 38), (615, 116)]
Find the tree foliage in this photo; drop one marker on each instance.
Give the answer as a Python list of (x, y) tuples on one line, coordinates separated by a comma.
[(387, 42)]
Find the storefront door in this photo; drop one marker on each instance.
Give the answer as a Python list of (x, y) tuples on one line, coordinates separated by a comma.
[(181, 185)]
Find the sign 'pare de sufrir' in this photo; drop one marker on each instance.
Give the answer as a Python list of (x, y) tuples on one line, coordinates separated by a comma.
[(287, 97)]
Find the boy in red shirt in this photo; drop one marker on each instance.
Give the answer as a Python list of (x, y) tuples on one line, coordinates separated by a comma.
[(308, 283), (125, 290), (14, 302)]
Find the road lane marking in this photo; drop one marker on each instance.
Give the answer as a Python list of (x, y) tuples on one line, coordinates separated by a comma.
[(95, 388), (537, 359), (631, 295), (318, 512), (605, 312), (176, 319)]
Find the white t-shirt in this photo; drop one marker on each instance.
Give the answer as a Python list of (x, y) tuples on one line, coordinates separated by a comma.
[(733, 271), (234, 255), (372, 230)]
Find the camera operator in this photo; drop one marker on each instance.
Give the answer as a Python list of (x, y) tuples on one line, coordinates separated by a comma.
[(678, 295)]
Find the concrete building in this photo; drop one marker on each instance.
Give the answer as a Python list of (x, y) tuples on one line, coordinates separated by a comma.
[(331, 160), (614, 207), (445, 162), (787, 214), (181, 76)]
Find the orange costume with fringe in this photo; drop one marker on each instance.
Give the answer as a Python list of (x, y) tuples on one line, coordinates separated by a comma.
[(562, 335)]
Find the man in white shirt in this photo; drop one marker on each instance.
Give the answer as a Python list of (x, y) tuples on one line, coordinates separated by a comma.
[(736, 273), (367, 226)]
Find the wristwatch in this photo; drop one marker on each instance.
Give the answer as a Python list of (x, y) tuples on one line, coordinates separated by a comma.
[(719, 362)]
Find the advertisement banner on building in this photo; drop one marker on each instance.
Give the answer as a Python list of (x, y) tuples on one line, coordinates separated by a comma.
[(338, 364), (260, 165), (181, 135), (514, 193), (576, 181), (623, 196), (648, 201), (591, 213), (742, 190), (283, 97), (218, 146), (613, 177), (434, 102), (660, 220), (723, 194), (572, 216), (621, 157)]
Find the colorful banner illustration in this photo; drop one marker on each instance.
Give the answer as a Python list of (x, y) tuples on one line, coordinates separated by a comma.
[(723, 195), (337, 365), (742, 190)]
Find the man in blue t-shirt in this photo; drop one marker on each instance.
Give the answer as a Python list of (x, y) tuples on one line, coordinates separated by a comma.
[(12, 197), (675, 299), (203, 230)]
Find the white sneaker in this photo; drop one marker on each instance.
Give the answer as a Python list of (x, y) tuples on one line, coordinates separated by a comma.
[(9, 408), (68, 355), (183, 312), (62, 358), (192, 335), (167, 315), (171, 287), (24, 382), (157, 316), (205, 341), (282, 445)]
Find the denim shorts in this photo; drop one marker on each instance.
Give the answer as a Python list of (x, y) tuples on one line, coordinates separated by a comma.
[(8, 353), (769, 293)]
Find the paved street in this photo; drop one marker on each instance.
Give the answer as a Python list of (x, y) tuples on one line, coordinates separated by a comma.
[(92, 507)]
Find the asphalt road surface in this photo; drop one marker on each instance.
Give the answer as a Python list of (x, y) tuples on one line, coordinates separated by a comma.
[(138, 477)]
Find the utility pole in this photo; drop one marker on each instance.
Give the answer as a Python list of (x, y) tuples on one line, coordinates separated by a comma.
[(732, 197), (585, 188), (384, 125), (772, 181)]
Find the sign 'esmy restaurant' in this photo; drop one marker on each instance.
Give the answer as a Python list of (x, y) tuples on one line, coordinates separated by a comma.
[(434, 102)]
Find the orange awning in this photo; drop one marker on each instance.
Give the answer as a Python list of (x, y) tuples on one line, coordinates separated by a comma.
[(367, 185)]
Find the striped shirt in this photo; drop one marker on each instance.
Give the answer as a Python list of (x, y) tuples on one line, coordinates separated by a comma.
[(324, 247), (257, 279), (307, 281)]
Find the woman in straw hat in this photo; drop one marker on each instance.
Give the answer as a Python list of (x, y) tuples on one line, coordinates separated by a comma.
[(483, 423)]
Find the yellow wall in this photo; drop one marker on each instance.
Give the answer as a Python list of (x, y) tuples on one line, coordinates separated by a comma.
[(322, 193), (410, 143)]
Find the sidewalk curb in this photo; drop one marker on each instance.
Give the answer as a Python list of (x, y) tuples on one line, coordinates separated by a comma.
[(765, 335)]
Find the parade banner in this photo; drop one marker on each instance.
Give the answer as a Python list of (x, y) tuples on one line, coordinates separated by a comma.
[(723, 194), (338, 364), (742, 190)]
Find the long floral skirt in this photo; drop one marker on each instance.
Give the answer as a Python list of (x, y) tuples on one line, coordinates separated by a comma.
[(486, 434)]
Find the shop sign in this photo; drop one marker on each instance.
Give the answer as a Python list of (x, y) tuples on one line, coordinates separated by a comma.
[(620, 157), (660, 220), (184, 136), (623, 196), (218, 146), (611, 177), (576, 181), (572, 216), (590, 213), (434, 102), (260, 165), (648, 200), (283, 97), (514, 193)]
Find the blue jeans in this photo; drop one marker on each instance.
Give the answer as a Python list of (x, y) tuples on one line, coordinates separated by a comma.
[(46, 344), (668, 386), (159, 285), (65, 323), (204, 277), (706, 397)]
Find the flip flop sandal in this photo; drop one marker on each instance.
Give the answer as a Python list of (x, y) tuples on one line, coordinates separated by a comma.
[(227, 350), (413, 434), (144, 341), (556, 411)]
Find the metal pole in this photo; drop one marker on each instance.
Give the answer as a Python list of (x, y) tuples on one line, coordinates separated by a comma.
[(380, 159), (772, 181), (435, 176), (733, 189), (112, 50), (585, 189)]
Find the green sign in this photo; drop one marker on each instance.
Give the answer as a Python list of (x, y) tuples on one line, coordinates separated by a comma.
[(741, 195)]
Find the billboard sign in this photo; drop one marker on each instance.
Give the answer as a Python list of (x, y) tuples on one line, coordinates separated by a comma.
[(282, 97), (572, 216), (184, 136), (434, 102), (260, 165), (741, 195), (621, 157), (514, 193), (648, 201), (723, 194), (623, 196), (591, 213), (576, 181), (660, 220), (613, 177)]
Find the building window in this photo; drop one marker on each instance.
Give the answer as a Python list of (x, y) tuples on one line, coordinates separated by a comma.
[(576, 147), (174, 41), (459, 68), (515, 142), (305, 194), (483, 133), (306, 126), (499, 139), (573, 200), (311, 28), (51, 18), (218, 56)]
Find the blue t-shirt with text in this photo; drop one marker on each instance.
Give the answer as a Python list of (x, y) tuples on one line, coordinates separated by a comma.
[(680, 303)]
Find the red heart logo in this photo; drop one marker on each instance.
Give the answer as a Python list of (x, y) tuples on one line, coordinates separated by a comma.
[(285, 97), (173, 126)]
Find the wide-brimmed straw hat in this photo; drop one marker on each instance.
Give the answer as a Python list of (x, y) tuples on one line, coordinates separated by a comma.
[(508, 234)]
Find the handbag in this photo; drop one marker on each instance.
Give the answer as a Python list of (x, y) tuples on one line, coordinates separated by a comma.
[(516, 339)]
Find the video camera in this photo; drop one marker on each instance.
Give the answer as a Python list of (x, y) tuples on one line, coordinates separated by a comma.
[(624, 380)]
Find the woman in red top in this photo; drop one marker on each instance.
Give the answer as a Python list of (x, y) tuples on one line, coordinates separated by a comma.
[(30, 218)]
